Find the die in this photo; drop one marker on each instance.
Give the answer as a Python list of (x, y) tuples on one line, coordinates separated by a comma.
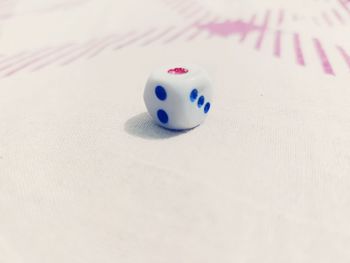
[(178, 98)]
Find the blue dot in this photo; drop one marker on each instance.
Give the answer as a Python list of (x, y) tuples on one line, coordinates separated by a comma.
[(162, 116), (206, 107), (160, 93), (193, 95), (200, 101)]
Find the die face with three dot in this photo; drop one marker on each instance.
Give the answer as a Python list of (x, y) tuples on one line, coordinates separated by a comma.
[(178, 97)]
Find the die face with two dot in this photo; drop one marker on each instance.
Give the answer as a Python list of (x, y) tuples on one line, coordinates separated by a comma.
[(178, 97)]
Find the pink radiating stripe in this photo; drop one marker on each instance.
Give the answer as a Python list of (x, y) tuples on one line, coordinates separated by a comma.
[(83, 51), (185, 29), (157, 37), (9, 58), (194, 12), (338, 16), (112, 41), (277, 47), (251, 24), (29, 55), (326, 19), (263, 30), (60, 56), (199, 19), (102, 44), (183, 8), (344, 4), (345, 55), (298, 50), (280, 17), (137, 38), (211, 34), (194, 35), (199, 31), (327, 67), (99, 46), (33, 61)]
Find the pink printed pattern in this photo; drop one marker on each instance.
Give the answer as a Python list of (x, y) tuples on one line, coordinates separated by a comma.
[(330, 16), (230, 28), (298, 50), (201, 24), (238, 27), (185, 8), (69, 53)]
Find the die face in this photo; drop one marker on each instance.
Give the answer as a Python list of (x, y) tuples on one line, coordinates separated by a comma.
[(178, 98), (161, 101), (197, 93)]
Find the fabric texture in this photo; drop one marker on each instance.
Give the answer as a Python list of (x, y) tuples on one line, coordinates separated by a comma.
[(86, 176)]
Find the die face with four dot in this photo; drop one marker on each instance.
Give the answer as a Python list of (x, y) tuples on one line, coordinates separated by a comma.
[(178, 97)]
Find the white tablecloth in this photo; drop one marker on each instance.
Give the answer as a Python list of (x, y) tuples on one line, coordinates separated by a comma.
[(85, 175)]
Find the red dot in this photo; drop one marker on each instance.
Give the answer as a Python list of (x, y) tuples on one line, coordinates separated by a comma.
[(177, 71)]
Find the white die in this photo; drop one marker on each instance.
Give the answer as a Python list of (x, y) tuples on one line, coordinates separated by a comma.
[(178, 97)]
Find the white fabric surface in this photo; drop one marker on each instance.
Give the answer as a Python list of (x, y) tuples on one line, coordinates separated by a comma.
[(85, 176)]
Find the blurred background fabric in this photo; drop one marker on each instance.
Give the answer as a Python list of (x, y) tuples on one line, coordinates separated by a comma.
[(86, 176)]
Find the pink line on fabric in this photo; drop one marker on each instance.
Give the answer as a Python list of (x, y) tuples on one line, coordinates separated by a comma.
[(298, 50), (344, 4), (280, 17), (213, 21), (65, 54), (185, 7), (338, 16), (110, 42), (83, 51), (277, 46), (97, 47), (33, 61), (194, 12), (9, 58), (327, 19), (157, 37), (80, 50), (102, 44), (327, 67), (196, 33), (185, 29), (345, 55), (28, 56), (263, 30), (136, 38), (251, 24)]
